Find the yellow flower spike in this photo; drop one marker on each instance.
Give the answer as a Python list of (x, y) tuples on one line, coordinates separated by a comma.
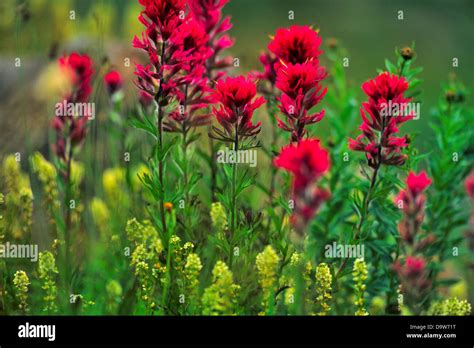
[(267, 266), (192, 269), (100, 213), (21, 283), (221, 297), (360, 274), (11, 173), (47, 272), (218, 218), (323, 287)]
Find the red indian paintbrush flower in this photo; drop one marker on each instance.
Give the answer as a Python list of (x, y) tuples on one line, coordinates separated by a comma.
[(382, 114), (413, 273), (236, 96), (412, 201), (307, 161), (113, 81), (190, 49), (414, 280), (209, 14), (71, 129), (161, 17), (293, 68), (296, 45), (79, 67), (301, 91)]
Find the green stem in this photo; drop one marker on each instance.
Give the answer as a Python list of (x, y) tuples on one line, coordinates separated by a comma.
[(159, 150), (184, 148), (67, 229), (159, 146), (368, 196), (233, 193)]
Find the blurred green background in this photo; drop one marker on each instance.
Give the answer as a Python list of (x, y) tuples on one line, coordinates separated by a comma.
[(40, 30)]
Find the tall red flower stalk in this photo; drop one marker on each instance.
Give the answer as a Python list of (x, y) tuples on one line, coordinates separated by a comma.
[(237, 101), (379, 127), (412, 201), (161, 19), (413, 276), (307, 161), (411, 269), (209, 14), (190, 49), (381, 115), (298, 76), (71, 130)]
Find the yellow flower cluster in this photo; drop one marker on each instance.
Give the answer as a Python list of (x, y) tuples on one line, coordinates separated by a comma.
[(47, 175), (218, 218), (145, 258), (21, 283), (267, 267), (114, 295), (47, 272), (221, 297), (180, 253), (18, 199), (359, 274), (323, 287), (101, 215), (192, 269), (451, 306), (113, 182)]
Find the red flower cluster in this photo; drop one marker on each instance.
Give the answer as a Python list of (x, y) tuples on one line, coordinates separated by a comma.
[(296, 45), (237, 105), (209, 14), (71, 130), (307, 161), (301, 91), (412, 202), (79, 67), (161, 17), (298, 76), (412, 274), (189, 50), (379, 117), (113, 81), (178, 47), (413, 278)]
